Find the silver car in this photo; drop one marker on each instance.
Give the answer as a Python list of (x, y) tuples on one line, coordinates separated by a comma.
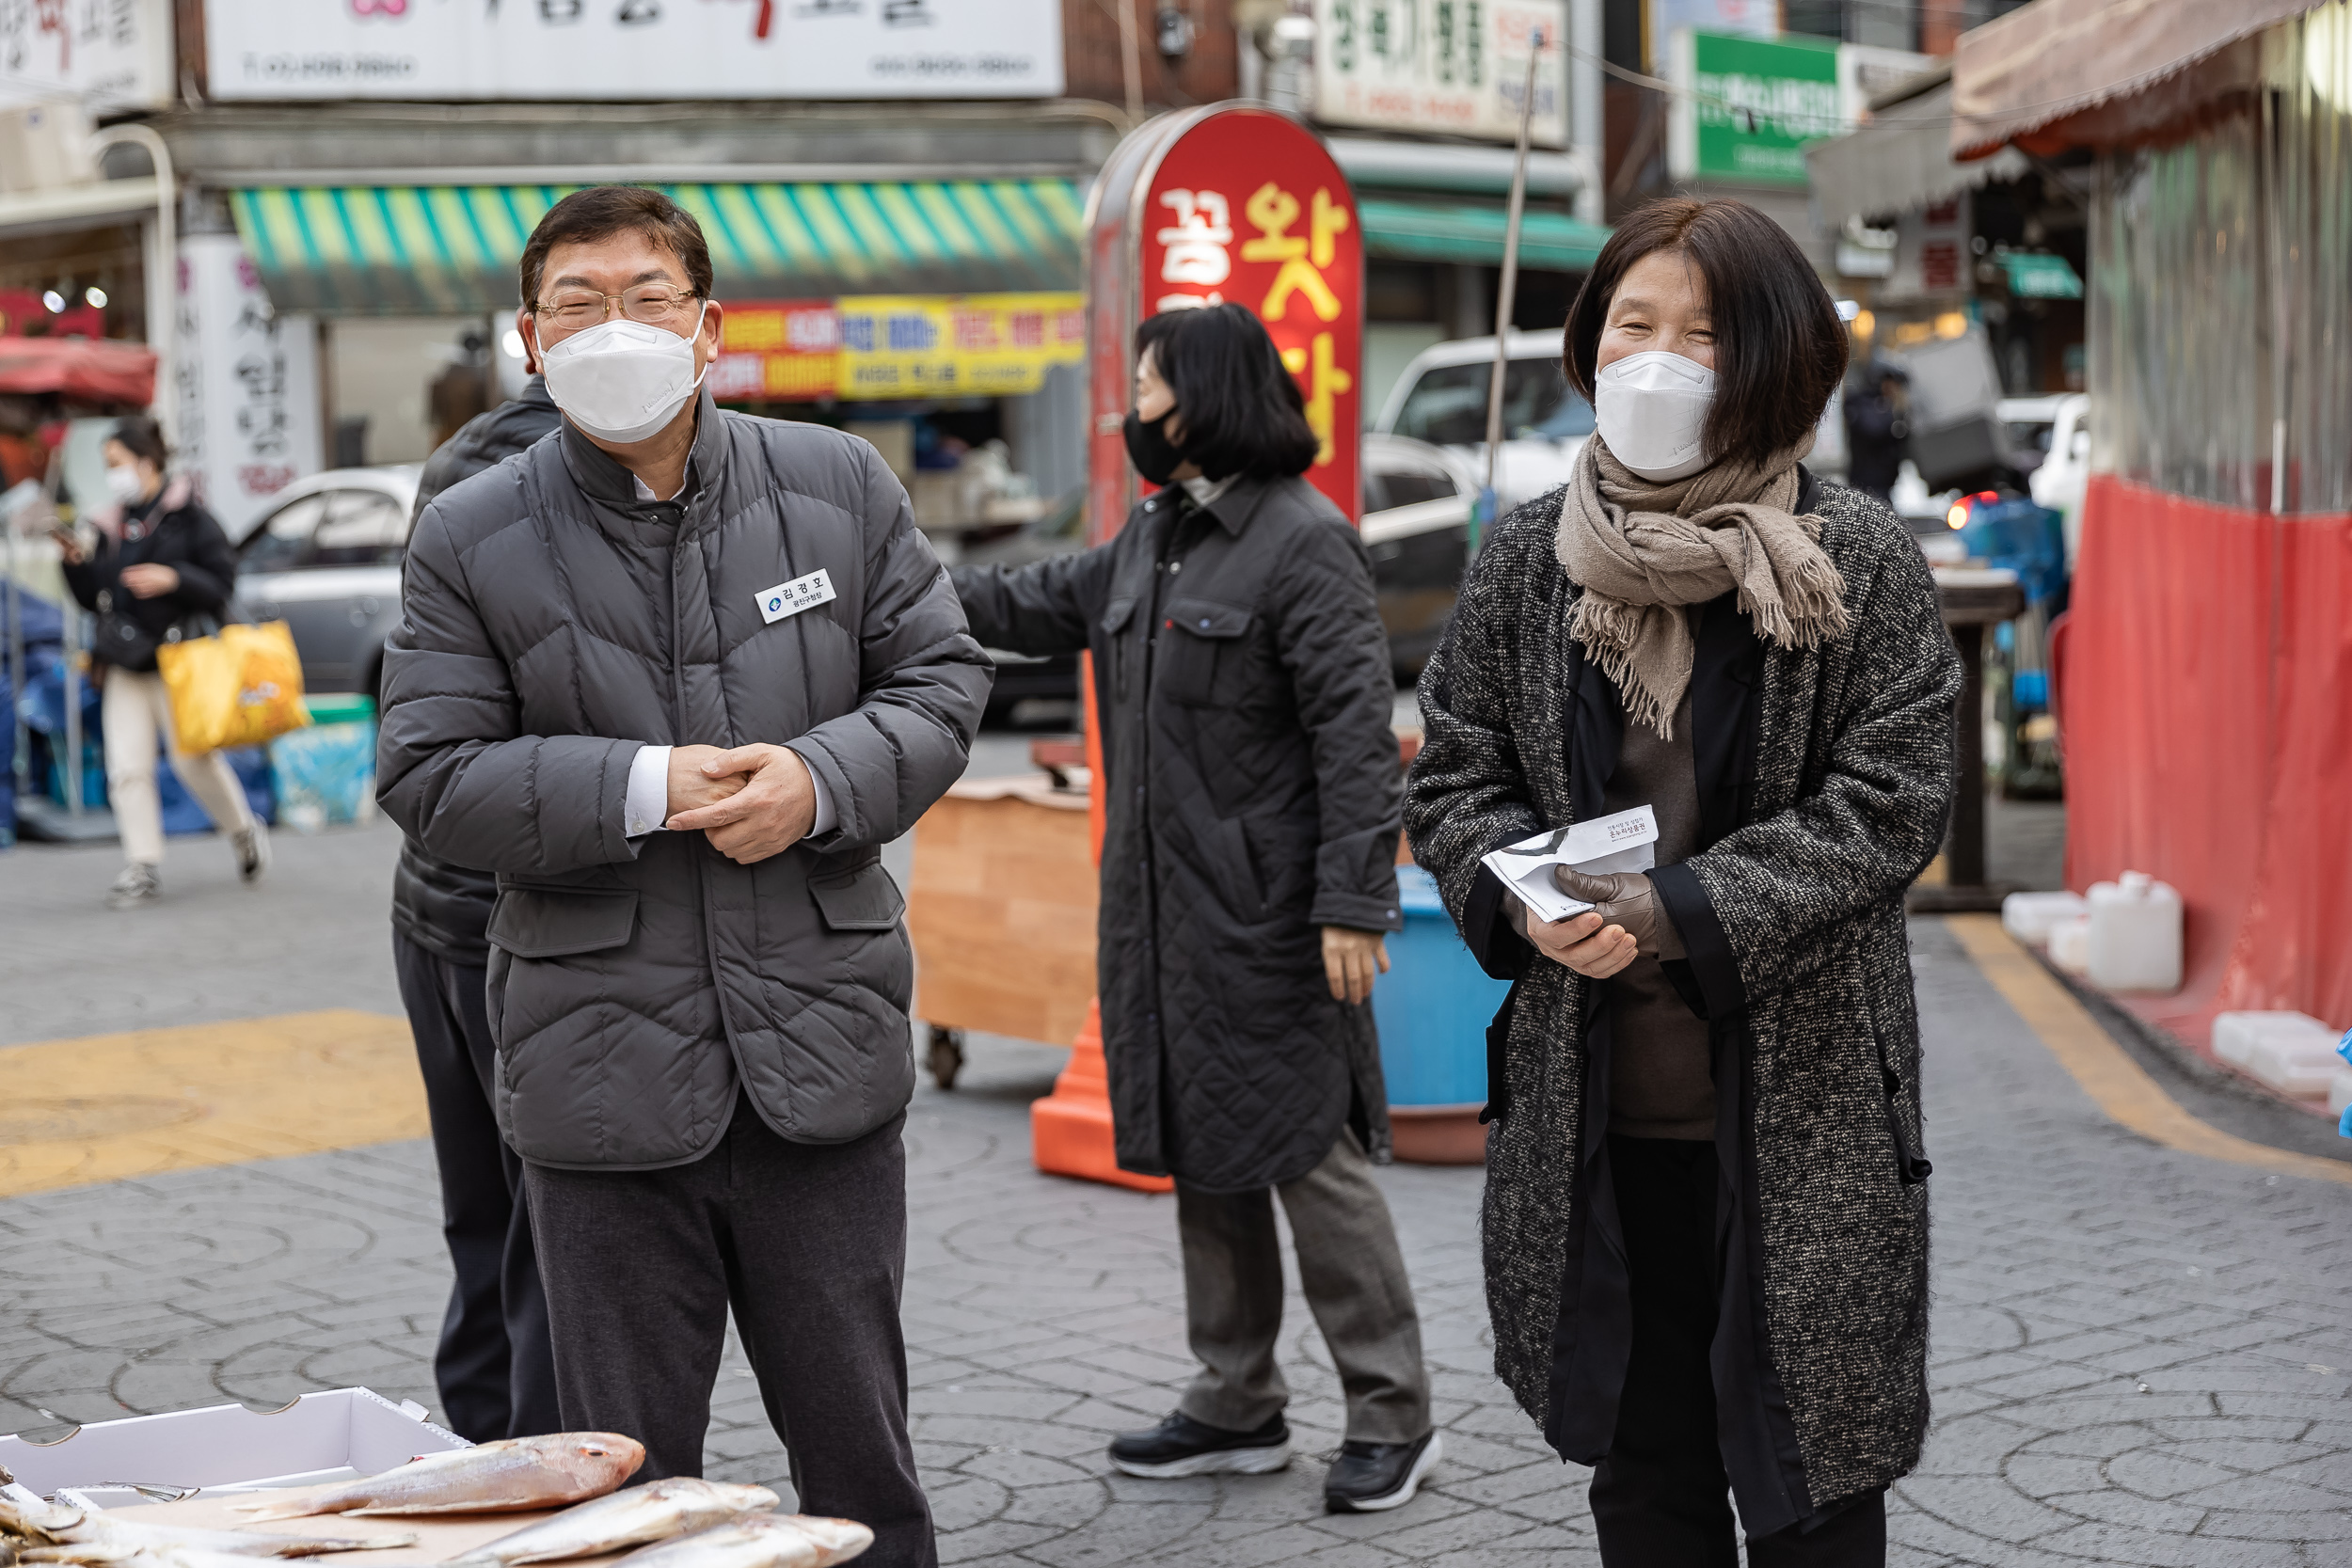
[(326, 559)]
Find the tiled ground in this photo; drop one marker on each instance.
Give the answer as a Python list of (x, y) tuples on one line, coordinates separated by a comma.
[(2141, 1357)]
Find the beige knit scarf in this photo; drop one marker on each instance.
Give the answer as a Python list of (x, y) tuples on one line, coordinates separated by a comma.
[(1642, 550)]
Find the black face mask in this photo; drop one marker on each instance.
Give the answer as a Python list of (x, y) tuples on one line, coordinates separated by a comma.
[(1156, 457)]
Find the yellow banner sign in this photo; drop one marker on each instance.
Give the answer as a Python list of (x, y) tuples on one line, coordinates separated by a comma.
[(963, 345)]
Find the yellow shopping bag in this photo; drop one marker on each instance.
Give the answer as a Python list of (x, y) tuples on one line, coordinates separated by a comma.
[(240, 687)]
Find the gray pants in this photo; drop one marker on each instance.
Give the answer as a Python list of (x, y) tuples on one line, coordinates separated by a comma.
[(1353, 1274), (807, 1243)]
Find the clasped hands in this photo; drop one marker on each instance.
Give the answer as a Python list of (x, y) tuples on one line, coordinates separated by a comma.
[(751, 802)]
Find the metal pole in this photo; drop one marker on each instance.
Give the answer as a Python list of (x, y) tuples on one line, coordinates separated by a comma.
[(162, 271), (20, 734), (1506, 295)]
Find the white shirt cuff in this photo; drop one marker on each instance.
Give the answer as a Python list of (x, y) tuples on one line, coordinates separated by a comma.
[(826, 819), (648, 803)]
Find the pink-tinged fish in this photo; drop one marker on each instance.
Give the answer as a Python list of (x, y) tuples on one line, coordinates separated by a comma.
[(57, 1532), (655, 1512), (760, 1540), (504, 1477)]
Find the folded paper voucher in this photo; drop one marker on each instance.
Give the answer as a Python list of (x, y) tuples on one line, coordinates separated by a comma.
[(1626, 842)]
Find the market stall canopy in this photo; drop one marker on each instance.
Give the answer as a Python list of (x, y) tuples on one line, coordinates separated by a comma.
[(403, 250), (83, 370), (1472, 234), (2023, 76), (1902, 159)]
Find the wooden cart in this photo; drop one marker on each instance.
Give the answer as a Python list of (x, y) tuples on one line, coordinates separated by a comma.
[(1001, 910)]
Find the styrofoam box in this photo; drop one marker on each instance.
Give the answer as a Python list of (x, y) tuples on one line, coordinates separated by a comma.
[(2070, 944), (2295, 1064), (331, 1435), (2028, 916), (2339, 1092), (2235, 1034)]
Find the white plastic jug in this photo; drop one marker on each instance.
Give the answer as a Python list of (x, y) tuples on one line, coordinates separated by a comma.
[(2069, 943), (2134, 939)]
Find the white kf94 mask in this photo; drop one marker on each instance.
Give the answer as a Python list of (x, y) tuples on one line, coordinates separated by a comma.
[(622, 380), (1650, 409)]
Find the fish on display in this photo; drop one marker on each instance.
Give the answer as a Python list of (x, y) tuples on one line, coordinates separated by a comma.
[(655, 1512), (760, 1540), (56, 1533), (504, 1477)]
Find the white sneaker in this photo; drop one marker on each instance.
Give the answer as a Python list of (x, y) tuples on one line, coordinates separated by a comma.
[(138, 884), (252, 851)]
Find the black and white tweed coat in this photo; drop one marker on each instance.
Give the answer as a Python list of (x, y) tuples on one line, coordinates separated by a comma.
[(1794, 920)]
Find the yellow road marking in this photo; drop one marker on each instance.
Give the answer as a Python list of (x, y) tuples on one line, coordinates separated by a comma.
[(110, 1107), (2108, 1075)]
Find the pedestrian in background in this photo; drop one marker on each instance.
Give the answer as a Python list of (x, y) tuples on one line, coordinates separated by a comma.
[(1878, 427), (1249, 870), (676, 675), (494, 1366), (1706, 1216), (162, 569)]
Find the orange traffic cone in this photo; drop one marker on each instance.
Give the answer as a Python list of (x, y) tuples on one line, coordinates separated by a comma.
[(1070, 1129)]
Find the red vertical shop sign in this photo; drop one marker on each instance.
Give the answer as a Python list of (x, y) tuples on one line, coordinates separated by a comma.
[(1228, 204)]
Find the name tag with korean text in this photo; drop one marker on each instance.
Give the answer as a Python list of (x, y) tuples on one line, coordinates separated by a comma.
[(790, 598)]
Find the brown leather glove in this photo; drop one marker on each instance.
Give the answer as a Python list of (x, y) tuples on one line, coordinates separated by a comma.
[(1625, 898)]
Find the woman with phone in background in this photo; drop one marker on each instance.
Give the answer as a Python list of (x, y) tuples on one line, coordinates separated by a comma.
[(160, 562)]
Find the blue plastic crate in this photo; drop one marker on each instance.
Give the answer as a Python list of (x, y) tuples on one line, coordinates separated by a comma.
[(324, 774), (1433, 1005)]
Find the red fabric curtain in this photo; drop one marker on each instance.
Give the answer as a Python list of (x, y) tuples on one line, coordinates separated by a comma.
[(2208, 730)]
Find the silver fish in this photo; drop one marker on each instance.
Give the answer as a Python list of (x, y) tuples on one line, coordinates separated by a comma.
[(53, 1532), (760, 1540), (504, 1477), (655, 1512)]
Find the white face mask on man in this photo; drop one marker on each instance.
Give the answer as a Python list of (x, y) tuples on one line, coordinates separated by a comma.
[(124, 484), (1651, 410), (622, 380)]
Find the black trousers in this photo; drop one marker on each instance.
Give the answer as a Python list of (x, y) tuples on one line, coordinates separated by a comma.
[(495, 1369), (807, 1243), (1661, 1499)]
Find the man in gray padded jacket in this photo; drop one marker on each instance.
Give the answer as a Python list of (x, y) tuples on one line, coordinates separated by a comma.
[(676, 675)]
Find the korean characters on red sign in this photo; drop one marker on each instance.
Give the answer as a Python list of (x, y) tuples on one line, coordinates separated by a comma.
[(1197, 240)]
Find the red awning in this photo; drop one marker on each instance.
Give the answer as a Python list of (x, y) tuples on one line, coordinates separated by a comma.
[(2057, 73), (83, 369)]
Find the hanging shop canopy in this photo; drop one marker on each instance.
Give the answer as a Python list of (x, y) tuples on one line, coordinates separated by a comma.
[(405, 250), (1902, 160), (1470, 232), (2059, 74), (81, 370)]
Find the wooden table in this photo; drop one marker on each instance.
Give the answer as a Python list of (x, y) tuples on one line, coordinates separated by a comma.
[(1971, 599)]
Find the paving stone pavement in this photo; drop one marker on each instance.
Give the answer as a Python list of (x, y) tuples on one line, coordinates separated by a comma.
[(2139, 1357)]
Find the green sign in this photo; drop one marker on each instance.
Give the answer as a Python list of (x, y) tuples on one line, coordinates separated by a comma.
[(1751, 105), (2034, 276)]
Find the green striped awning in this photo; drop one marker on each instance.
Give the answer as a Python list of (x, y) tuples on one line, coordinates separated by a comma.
[(1472, 232), (405, 250)]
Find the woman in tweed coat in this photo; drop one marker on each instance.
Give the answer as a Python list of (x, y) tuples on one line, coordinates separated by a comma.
[(1706, 1212)]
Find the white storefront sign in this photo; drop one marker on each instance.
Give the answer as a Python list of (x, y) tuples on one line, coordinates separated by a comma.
[(1457, 65), (110, 53), (633, 49), (248, 384)]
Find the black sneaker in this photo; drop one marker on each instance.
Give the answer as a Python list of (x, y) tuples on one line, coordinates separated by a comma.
[(1181, 1445), (1369, 1477)]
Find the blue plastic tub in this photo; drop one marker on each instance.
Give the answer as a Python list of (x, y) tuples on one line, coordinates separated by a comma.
[(1433, 1005)]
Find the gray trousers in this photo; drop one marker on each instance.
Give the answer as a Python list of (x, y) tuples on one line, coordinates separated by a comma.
[(1353, 1275), (807, 1243)]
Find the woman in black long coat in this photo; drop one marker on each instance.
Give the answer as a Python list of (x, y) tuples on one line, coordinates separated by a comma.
[(1705, 1219), (1249, 870)]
